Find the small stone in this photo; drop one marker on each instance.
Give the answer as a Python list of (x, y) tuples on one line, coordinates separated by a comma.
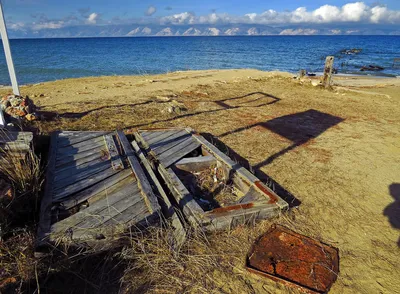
[(41, 95), (15, 101), (31, 117)]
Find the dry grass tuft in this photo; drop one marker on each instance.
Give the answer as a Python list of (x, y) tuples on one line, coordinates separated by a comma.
[(25, 173), (206, 263)]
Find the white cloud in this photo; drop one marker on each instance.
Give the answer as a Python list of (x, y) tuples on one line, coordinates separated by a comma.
[(357, 12), (151, 10), (93, 18), (47, 25)]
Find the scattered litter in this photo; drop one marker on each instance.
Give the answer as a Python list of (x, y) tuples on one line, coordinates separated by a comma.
[(294, 260)]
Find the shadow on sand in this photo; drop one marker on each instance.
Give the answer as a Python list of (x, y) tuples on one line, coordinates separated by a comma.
[(392, 211), (298, 128)]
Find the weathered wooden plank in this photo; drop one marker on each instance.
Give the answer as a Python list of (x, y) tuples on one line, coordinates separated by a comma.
[(112, 211), (85, 183), (176, 153), (71, 138), (95, 209), (103, 186), (179, 230), (115, 226), (98, 151), (169, 139), (14, 146), (144, 184), (162, 136), (82, 162), (20, 137), (116, 162), (87, 145), (72, 169), (182, 196), (81, 175), (46, 204), (243, 173), (192, 164), (172, 141)]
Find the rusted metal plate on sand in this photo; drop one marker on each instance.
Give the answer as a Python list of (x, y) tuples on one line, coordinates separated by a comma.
[(294, 260)]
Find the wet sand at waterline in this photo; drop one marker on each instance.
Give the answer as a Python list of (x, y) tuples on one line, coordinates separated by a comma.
[(337, 151)]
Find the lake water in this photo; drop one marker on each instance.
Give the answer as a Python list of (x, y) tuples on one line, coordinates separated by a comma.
[(39, 60)]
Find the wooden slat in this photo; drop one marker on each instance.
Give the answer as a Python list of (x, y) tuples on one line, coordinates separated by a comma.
[(144, 184), (46, 205), (80, 145), (71, 170), (110, 211), (176, 153), (103, 186), (82, 162), (162, 136), (193, 164), (85, 146), (15, 146), (182, 196), (6, 137), (116, 162), (99, 151), (81, 175), (240, 171), (94, 210), (67, 139), (169, 142), (179, 229), (116, 225), (78, 186)]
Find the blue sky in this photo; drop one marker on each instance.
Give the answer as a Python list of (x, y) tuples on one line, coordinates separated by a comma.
[(21, 10), (38, 15)]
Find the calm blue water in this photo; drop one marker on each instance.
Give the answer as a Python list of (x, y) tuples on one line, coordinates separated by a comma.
[(38, 60)]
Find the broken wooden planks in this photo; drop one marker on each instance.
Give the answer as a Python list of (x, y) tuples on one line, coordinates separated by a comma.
[(182, 150), (15, 143), (94, 191)]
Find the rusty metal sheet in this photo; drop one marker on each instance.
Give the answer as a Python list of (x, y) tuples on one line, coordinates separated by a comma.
[(294, 260)]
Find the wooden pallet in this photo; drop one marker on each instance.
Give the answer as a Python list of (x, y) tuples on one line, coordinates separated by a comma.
[(177, 150), (95, 190)]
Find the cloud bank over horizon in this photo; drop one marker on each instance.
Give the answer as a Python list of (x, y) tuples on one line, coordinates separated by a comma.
[(300, 20)]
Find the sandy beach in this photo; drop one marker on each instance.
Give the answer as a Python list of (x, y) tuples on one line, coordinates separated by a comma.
[(337, 151)]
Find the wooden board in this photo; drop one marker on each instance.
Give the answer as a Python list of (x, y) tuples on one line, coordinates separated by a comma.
[(174, 150), (89, 187)]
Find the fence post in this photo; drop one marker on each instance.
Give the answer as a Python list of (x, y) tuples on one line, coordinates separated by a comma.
[(327, 79)]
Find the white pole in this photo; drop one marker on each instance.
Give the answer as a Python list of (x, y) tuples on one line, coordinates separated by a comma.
[(7, 51)]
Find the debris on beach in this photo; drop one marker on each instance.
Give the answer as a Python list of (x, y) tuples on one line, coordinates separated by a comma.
[(372, 68), (294, 260), (351, 51), (18, 107)]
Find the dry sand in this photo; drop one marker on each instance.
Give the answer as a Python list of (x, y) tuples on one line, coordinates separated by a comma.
[(337, 151)]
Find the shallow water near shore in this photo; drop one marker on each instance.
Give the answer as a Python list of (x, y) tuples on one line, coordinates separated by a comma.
[(39, 60)]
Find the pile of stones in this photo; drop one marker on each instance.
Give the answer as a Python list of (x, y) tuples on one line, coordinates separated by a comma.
[(18, 107)]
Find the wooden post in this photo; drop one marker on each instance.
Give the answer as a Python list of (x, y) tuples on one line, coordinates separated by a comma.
[(7, 52), (302, 73), (327, 79)]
